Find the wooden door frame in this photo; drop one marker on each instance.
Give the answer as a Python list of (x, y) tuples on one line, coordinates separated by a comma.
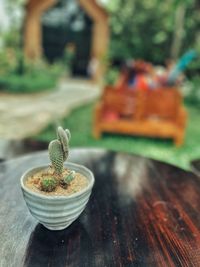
[(33, 30)]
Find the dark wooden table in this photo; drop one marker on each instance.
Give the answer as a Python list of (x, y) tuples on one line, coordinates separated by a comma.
[(195, 165), (141, 213)]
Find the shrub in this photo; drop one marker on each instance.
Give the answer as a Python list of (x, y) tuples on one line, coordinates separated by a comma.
[(26, 77), (27, 83)]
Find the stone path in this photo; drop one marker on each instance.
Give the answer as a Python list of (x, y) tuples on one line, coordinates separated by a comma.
[(26, 115), (22, 115)]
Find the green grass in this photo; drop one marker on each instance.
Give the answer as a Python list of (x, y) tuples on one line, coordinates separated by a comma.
[(80, 124)]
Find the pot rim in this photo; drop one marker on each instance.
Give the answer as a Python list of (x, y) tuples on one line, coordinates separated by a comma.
[(85, 189)]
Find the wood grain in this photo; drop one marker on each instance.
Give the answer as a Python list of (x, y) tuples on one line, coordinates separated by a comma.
[(141, 213)]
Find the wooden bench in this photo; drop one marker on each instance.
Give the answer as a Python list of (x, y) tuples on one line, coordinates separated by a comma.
[(153, 113)]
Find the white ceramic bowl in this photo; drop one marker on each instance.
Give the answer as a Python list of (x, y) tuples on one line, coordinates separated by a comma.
[(57, 212)]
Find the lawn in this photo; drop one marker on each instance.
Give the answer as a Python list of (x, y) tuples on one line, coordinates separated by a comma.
[(80, 124)]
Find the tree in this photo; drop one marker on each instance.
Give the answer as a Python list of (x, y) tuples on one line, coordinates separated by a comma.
[(153, 30)]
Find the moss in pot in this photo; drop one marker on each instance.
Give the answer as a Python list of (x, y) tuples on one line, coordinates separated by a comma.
[(57, 194)]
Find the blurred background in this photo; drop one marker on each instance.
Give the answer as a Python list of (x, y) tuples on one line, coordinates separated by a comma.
[(57, 57)]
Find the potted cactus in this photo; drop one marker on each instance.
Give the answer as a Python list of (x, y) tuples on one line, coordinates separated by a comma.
[(57, 194)]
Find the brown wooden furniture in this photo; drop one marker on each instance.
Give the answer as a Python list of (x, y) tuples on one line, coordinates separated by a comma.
[(141, 213), (153, 113)]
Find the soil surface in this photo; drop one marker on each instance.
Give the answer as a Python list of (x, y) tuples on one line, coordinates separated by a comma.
[(76, 185)]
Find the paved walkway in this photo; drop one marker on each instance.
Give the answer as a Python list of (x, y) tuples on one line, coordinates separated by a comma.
[(22, 115), (26, 115)]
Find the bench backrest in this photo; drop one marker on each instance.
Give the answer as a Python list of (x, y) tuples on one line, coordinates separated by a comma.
[(125, 104), (163, 103)]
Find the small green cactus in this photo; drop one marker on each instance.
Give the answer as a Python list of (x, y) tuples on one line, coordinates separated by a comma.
[(58, 153), (56, 156), (65, 181), (48, 184), (59, 150), (64, 137)]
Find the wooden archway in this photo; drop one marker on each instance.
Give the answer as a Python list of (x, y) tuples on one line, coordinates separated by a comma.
[(33, 30), (32, 27)]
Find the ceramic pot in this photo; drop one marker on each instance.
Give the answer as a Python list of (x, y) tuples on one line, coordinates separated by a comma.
[(57, 212)]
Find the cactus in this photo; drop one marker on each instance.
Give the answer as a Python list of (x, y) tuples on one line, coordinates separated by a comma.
[(56, 156), (59, 150), (58, 153), (48, 184), (65, 181), (64, 137)]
